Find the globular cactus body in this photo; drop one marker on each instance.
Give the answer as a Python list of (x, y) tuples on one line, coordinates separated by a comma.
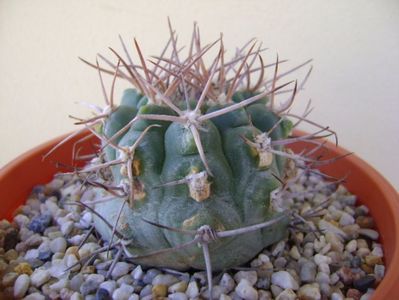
[(236, 195)]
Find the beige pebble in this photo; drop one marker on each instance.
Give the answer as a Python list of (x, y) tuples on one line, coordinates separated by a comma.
[(159, 290)]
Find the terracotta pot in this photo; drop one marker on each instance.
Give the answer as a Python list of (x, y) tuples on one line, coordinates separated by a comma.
[(19, 176)]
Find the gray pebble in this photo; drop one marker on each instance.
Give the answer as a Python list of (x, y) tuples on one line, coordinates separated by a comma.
[(308, 272), (103, 294), (363, 283), (39, 223), (280, 262), (263, 283)]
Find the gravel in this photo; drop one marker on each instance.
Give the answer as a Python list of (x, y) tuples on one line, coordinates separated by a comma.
[(336, 256)]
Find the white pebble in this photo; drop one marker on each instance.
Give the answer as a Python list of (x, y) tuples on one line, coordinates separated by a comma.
[(245, 290), (109, 285), (86, 220), (377, 251), (97, 278), (138, 273), (328, 227), (178, 287), (76, 239), (121, 268), (278, 248), (251, 276), (21, 285), (60, 284), (370, 233), (309, 291), (287, 294), (319, 243), (336, 296), (31, 254), (21, 220), (368, 295), (59, 244), (323, 267), (334, 278), (284, 280), (226, 297), (294, 253), (346, 219), (276, 290), (57, 268), (192, 289), (264, 258), (67, 227), (76, 296), (351, 246), (227, 282), (165, 279), (134, 297), (325, 249), (39, 277), (71, 260), (319, 258), (35, 296), (379, 271), (34, 240), (335, 241), (322, 278), (51, 206), (123, 293)]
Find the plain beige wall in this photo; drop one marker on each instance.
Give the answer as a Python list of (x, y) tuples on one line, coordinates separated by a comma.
[(354, 44)]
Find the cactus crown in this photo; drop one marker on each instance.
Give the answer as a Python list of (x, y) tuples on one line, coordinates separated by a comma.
[(195, 154)]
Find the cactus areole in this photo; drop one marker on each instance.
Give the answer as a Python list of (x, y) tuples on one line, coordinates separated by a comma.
[(190, 158)]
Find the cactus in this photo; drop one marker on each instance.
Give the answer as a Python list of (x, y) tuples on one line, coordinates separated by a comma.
[(193, 158)]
